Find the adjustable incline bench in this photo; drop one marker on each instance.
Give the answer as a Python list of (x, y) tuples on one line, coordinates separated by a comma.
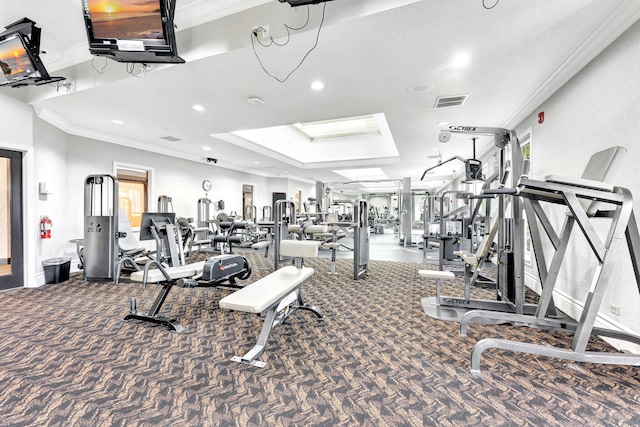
[(277, 296)]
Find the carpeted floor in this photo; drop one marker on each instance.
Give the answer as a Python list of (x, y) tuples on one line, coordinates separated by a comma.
[(68, 359)]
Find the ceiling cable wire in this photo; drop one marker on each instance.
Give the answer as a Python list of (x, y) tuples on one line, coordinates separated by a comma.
[(99, 70), (289, 28), (254, 34), (484, 4)]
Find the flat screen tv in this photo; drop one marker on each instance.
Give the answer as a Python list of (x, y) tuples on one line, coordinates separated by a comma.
[(132, 30), (14, 60), (20, 56)]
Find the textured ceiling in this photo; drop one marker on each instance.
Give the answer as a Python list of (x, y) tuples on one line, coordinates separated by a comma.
[(370, 55)]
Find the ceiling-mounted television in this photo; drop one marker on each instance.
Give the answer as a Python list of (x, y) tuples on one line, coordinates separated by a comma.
[(132, 30), (14, 60), (20, 56)]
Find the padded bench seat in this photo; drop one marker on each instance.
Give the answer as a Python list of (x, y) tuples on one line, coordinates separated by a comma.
[(467, 257), (580, 182), (180, 272), (260, 245), (436, 274), (268, 291)]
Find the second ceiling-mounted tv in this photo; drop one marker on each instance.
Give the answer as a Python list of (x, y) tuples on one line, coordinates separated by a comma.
[(20, 61), (132, 30), (14, 59)]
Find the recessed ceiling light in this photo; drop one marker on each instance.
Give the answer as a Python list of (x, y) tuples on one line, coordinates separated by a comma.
[(205, 148), (255, 100), (256, 163), (198, 107), (317, 85), (461, 60), (118, 122)]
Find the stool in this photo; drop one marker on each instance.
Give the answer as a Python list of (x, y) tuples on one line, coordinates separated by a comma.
[(334, 247), (438, 275)]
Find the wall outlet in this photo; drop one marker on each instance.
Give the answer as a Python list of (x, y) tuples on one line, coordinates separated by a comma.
[(614, 309), (261, 32)]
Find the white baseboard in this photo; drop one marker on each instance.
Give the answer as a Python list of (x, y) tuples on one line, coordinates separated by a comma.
[(573, 308), (39, 280)]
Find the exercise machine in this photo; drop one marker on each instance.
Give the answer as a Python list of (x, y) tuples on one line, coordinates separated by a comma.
[(361, 234), (218, 271), (163, 204), (162, 228), (202, 231), (100, 252), (587, 198), (510, 238), (285, 213), (472, 166), (452, 235)]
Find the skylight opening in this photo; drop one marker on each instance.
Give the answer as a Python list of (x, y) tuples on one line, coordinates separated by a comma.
[(338, 128), (363, 174)]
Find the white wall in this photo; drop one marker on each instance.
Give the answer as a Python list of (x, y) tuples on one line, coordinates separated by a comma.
[(597, 109), (64, 161), (50, 167), (16, 122), (180, 179)]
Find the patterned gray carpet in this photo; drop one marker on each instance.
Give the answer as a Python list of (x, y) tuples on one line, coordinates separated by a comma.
[(68, 359)]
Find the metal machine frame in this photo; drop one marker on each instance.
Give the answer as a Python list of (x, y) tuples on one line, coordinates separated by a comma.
[(285, 211), (623, 228), (510, 233), (361, 239), (100, 254)]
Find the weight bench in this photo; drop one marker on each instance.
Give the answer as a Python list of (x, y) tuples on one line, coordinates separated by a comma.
[(210, 273), (277, 296)]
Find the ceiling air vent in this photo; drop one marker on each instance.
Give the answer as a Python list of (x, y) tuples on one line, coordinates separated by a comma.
[(451, 101), (170, 138)]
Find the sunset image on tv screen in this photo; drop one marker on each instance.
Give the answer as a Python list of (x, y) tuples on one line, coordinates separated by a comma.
[(14, 59), (126, 19)]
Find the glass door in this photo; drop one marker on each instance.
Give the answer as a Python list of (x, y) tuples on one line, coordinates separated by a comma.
[(11, 262), (248, 209)]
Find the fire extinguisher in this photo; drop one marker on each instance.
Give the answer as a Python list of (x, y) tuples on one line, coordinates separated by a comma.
[(45, 227)]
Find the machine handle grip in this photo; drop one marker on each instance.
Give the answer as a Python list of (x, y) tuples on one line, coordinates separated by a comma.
[(482, 196), (498, 191)]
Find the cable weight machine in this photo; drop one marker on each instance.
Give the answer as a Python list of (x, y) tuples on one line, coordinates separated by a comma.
[(100, 227), (510, 235)]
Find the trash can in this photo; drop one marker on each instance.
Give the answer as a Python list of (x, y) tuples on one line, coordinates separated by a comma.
[(56, 270)]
